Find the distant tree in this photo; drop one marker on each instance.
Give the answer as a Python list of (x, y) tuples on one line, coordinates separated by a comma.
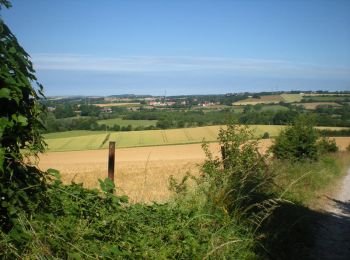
[(89, 110), (247, 108), (284, 117), (64, 111), (258, 107)]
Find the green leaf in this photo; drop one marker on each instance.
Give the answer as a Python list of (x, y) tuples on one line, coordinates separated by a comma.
[(54, 173), (20, 119), (5, 93), (2, 158), (12, 50), (107, 185)]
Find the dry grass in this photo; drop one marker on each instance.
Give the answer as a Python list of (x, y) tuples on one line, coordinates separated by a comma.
[(142, 173)]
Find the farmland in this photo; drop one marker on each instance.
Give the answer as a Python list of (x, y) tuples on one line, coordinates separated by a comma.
[(124, 122), (291, 98), (89, 140), (129, 104), (270, 99), (326, 98), (140, 169), (314, 105)]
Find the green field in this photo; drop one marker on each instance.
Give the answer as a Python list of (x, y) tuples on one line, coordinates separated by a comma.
[(88, 140), (122, 122), (273, 108), (74, 133)]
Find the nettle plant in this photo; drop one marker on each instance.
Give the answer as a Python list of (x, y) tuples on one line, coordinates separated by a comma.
[(20, 110)]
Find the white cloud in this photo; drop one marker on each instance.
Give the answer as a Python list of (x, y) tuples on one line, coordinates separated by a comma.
[(242, 67)]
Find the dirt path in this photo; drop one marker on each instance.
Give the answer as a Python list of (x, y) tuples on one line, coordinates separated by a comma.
[(333, 234)]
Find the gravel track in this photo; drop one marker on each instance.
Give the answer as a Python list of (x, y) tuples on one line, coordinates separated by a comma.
[(333, 233)]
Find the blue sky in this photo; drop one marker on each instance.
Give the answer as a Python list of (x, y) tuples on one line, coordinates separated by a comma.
[(184, 47)]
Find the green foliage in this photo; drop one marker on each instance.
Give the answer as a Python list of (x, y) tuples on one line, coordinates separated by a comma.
[(301, 180), (81, 223), (241, 179), (327, 145), (266, 135), (20, 184), (64, 111), (297, 141)]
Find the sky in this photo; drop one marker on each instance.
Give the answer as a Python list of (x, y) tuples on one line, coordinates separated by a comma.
[(110, 47)]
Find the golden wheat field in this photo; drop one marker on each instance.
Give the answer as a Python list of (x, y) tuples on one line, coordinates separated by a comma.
[(142, 173)]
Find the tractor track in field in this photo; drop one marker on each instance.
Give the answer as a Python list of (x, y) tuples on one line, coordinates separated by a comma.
[(333, 232), (188, 135)]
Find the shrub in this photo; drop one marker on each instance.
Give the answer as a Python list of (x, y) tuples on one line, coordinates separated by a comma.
[(327, 145), (241, 178), (348, 148), (297, 141), (266, 135)]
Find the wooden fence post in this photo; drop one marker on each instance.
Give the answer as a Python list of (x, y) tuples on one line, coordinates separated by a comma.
[(224, 156), (111, 159)]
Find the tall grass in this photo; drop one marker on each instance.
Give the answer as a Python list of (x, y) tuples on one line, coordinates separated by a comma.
[(304, 182)]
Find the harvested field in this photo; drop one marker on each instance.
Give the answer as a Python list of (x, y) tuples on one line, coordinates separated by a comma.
[(142, 173), (313, 105), (270, 99), (290, 98)]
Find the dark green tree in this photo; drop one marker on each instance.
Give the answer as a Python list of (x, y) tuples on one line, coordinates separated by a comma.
[(297, 141), (21, 184)]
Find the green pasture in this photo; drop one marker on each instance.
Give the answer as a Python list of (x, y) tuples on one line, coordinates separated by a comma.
[(89, 140), (123, 122), (273, 108)]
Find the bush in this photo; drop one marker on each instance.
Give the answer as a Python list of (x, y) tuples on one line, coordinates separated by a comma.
[(241, 178), (327, 145), (297, 141), (266, 135)]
